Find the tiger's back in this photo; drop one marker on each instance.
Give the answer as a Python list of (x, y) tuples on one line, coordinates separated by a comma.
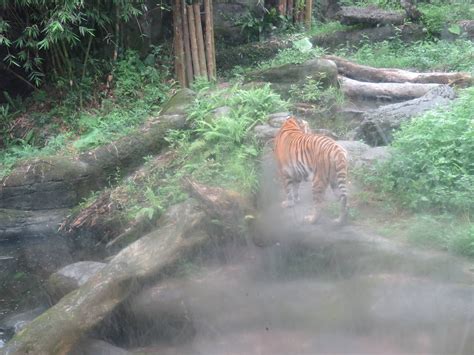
[(300, 154)]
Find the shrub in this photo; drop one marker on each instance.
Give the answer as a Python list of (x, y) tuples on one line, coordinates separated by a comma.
[(432, 165)]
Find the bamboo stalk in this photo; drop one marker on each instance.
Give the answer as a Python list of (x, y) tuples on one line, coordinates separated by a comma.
[(187, 45), (193, 40), (200, 39), (209, 39), (308, 14), (214, 66), (178, 44)]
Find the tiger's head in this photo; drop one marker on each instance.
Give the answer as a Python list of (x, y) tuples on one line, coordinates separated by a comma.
[(297, 123)]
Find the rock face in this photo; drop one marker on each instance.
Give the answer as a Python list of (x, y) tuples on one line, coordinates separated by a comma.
[(466, 30), (284, 76), (71, 277), (97, 347), (378, 125)]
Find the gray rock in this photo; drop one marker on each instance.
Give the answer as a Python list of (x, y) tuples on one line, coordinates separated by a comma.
[(12, 324), (265, 132), (72, 277), (221, 112), (277, 119), (466, 31), (97, 347), (375, 154), (284, 76), (379, 124), (372, 16), (355, 150)]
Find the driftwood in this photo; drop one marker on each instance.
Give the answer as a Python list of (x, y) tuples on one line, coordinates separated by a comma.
[(372, 16), (384, 91), (385, 75), (378, 125), (184, 229)]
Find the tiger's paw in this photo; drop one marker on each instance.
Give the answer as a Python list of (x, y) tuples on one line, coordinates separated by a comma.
[(341, 221), (287, 204), (311, 219)]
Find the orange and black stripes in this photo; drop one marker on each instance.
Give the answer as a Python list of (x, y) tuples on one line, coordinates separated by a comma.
[(300, 153)]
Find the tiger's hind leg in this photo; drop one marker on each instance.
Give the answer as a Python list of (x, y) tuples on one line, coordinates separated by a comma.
[(342, 197), (320, 185), (289, 185)]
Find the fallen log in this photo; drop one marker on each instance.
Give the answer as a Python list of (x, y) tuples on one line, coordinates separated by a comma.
[(378, 125), (58, 182), (372, 16), (383, 91), (388, 75), (185, 229)]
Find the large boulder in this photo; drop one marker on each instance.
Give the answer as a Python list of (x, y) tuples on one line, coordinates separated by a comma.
[(378, 125), (369, 16), (283, 77), (71, 277)]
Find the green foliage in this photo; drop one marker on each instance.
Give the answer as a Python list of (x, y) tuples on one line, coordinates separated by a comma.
[(426, 55), (438, 13), (313, 91), (383, 4), (39, 35), (219, 148), (442, 231), (254, 25), (141, 89), (321, 28), (432, 166), (299, 53)]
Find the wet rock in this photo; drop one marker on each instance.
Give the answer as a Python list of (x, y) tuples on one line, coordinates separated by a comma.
[(16, 224), (284, 76), (97, 347), (72, 277), (14, 323)]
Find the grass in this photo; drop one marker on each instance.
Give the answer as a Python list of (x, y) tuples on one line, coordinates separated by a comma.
[(437, 55), (429, 180)]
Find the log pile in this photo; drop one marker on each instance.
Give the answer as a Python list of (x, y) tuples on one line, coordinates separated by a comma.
[(194, 46)]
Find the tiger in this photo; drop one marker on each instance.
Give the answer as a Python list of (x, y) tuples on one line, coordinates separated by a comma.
[(300, 154)]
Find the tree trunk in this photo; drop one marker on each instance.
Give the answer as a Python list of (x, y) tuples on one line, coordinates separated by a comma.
[(187, 44), (282, 4), (308, 14), (289, 12), (385, 91), (179, 44), (210, 55), (200, 39), (382, 75), (193, 40)]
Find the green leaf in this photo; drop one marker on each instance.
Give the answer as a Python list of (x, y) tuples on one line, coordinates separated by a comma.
[(455, 29)]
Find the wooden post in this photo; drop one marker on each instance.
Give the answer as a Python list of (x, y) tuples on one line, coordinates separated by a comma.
[(308, 14), (209, 39), (178, 44), (193, 40), (187, 45), (200, 39), (282, 4)]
